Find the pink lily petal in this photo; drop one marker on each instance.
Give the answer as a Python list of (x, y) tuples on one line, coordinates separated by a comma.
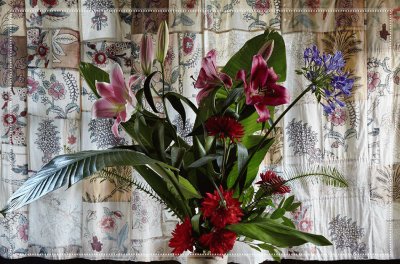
[(241, 75), (278, 96), (263, 112), (114, 128), (262, 90), (105, 109), (129, 110), (225, 79), (259, 74), (134, 79), (106, 90), (203, 93), (209, 78), (272, 77), (118, 82), (208, 64)]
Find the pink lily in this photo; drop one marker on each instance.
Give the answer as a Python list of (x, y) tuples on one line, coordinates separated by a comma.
[(117, 99), (209, 78), (262, 89)]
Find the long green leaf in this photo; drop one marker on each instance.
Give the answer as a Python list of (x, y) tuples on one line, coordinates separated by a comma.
[(184, 99), (178, 106), (161, 188), (147, 92), (204, 160), (242, 155), (250, 167), (271, 232), (187, 189), (66, 170)]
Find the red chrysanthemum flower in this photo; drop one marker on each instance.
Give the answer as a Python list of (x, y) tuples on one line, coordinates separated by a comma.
[(221, 213), (182, 238), (219, 241), (224, 127), (273, 183)]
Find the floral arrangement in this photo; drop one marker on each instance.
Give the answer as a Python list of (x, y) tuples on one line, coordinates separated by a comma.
[(209, 185)]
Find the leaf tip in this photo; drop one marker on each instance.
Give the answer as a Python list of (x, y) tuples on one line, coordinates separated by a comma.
[(3, 212)]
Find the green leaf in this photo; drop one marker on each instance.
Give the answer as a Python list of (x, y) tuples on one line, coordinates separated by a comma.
[(232, 176), (293, 207), (206, 109), (204, 160), (242, 155), (288, 222), (266, 202), (243, 58), (159, 185), (159, 140), (241, 162), (147, 91), (254, 164), (233, 96), (271, 232), (288, 202), (278, 213), (91, 74), (66, 170), (187, 189), (273, 251), (196, 223), (184, 99), (143, 133), (247, 197), (178, 106), (255, 247), (250, 124), (177, 155)]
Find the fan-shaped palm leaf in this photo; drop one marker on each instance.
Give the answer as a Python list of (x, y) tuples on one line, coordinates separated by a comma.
[(70, 168)]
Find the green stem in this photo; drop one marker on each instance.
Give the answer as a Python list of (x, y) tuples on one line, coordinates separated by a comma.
[(223, 159), (263, 140)]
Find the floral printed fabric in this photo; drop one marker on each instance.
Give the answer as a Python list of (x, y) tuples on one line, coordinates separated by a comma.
[(45, 111)]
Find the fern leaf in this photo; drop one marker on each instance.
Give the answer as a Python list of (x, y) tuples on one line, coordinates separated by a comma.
[(315, 174), (141, 187)]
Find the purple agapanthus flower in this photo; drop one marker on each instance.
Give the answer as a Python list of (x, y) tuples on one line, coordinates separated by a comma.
[(328, 81)]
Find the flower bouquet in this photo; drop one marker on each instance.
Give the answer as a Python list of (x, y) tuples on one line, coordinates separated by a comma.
[(209, 185)]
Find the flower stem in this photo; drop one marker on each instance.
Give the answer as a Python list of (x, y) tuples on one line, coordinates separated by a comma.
[(280, 117), (263, 140)]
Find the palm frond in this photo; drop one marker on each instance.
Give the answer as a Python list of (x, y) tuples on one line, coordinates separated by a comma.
[(315, 174)]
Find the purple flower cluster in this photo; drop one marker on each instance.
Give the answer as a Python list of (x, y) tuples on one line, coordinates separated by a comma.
[(328, 81)]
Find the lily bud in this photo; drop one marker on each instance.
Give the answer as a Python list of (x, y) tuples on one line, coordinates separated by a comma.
[(146, 54), (266, 49), (162, 42)]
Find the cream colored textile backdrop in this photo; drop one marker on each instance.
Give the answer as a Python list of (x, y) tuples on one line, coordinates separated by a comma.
[(45, 111)]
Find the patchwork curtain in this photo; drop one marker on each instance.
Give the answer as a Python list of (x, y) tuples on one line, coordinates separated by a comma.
[(45, 111)]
